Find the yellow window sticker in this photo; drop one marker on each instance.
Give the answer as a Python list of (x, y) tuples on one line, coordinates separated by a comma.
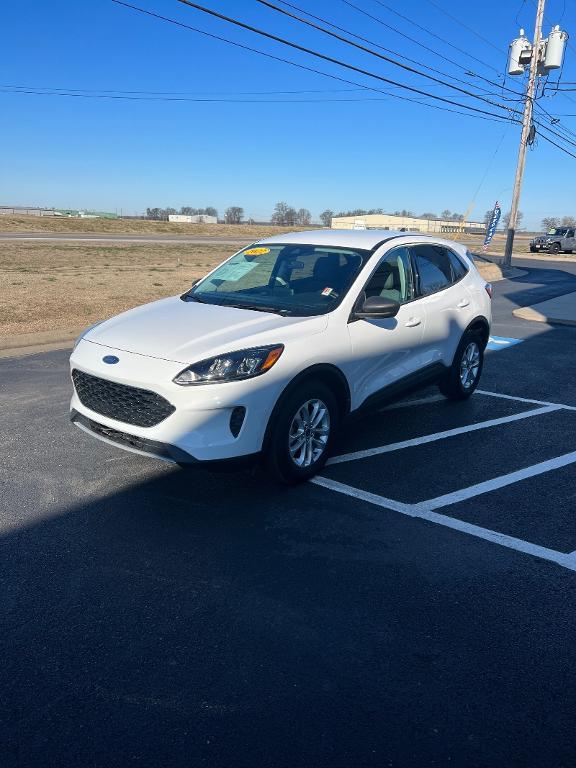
[(256, 251)]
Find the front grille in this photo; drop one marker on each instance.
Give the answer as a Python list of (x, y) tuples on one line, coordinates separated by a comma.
[(121, 402)]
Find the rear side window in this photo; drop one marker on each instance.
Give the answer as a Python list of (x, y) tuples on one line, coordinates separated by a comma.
[(434, 268), (458, 269)]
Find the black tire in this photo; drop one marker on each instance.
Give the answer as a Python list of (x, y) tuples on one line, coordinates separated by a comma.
[(555, 248), (452, 385), (533, 250), (570, 251), (277, 458)]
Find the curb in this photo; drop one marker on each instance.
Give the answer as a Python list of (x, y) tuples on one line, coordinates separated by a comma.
[(33, 343), (558, 311)]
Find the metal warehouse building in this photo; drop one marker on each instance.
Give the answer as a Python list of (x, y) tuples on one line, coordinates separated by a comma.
[(412, 224)]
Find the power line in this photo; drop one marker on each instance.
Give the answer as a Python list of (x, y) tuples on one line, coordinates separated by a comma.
[(304, 67), (396, 53), (558, 145), (417, 42), (464, 26), (123, 97), (198, 95), (325, 57), (363, 48)]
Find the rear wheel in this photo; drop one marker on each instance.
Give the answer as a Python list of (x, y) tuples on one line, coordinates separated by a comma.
[(302, 433), (463, 376)]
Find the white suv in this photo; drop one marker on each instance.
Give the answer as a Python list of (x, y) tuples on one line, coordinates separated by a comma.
[(268, 353)]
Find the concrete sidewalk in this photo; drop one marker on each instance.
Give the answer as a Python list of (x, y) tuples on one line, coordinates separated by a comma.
[(558, 311)]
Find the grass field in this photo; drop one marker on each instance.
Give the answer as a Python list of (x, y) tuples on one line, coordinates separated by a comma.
[(66, 286), (73, 226)]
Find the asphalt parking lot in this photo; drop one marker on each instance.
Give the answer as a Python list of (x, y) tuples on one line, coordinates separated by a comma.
[(413, 606)]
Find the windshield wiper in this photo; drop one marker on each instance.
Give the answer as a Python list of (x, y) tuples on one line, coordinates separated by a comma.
[(190, 297), (260, 308)]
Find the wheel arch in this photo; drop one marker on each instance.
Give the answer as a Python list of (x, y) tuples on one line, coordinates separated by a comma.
[(480, 325), (328, 374)]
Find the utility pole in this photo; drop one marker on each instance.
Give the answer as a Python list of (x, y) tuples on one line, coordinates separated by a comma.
[(526, 123)]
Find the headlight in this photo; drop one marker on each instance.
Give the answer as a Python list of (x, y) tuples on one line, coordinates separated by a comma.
[(84, 332), (232, 366)]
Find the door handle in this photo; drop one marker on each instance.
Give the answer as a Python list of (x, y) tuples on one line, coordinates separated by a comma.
[(462, 303), (412, 322)]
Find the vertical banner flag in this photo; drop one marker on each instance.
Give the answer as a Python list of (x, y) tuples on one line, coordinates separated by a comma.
[(491, 228)]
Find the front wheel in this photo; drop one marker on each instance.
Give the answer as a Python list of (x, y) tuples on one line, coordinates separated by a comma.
[(533, 250), (302, 433), (462, 378), (555, 248)]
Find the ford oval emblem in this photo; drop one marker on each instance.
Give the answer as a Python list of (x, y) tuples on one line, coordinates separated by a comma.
[(110, 359)]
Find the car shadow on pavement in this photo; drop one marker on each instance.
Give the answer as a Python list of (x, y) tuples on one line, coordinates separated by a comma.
[(153, 616)]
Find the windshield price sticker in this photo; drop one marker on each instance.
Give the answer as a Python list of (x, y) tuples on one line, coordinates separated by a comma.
[(256, 251), (235, 271)]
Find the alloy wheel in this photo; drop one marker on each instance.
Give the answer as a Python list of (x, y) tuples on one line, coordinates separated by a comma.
[(470, 365), (309, 433)]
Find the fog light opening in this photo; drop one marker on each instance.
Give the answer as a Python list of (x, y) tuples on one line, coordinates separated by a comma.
[(237, 419)]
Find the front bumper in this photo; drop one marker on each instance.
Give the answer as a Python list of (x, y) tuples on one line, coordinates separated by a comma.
[(198, 428)]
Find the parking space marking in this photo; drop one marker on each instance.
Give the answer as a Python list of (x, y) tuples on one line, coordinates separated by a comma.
[(441, 435), (496, 343), (500, 482), (524, 399), (420, 511)]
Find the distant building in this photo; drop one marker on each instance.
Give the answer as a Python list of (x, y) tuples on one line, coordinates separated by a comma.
[(408, 223), (20, 210), (199, 218)]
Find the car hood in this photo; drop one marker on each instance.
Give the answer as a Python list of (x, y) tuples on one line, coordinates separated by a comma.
[(186, 331)]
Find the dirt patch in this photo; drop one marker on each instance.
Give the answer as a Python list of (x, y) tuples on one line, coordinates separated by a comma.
[(52, 287)]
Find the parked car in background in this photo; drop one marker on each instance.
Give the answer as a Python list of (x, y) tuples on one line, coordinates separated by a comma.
[(556, 240), (267, 354)]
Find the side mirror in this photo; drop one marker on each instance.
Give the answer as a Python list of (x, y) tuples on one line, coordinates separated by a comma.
[(377, 307)]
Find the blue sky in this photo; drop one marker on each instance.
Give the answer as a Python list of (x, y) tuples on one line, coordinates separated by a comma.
[(379, 152)]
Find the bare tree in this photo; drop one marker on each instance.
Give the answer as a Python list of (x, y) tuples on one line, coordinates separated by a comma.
[(446, 213), (568, 221), (326, 217), (506, 219), (550, 222), (428, 216), (303, 217), (234, 215)]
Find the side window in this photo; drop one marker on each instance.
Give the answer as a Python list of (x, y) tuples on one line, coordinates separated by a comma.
[(434, 268), (393, 277), (458, 268), (570, 233)]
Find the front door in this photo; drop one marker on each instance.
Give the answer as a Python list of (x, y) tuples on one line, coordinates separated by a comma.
[(388, 349)]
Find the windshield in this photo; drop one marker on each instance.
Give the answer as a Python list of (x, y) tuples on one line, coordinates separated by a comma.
[(557, 231), (290, 278)]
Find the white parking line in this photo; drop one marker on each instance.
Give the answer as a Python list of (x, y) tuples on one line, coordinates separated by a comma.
[(524, 399), (354, 456), (500, 482), (419, 511)]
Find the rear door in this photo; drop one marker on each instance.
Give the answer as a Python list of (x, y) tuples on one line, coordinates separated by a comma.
[(441, 286)]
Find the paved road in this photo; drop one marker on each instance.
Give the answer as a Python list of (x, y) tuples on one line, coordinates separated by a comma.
[(81, 237), (155, 617)]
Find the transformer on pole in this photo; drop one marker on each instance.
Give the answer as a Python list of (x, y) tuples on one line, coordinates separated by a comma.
[(540, 57)]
